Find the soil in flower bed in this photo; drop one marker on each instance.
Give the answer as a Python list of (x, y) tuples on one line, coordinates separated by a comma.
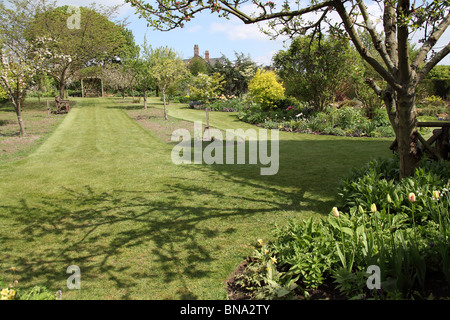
[(437, 288)]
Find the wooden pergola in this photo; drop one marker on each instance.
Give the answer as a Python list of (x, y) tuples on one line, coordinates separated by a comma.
[(89, 90)]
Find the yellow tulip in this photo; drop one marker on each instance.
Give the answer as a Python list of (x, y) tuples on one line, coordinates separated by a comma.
[(436, 195), (373, 208), (412, 197)]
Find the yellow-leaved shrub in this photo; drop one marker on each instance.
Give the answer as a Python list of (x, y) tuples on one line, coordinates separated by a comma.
[(265, 88)]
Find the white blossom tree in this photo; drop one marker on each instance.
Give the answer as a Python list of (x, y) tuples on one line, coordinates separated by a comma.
[(20, 59)]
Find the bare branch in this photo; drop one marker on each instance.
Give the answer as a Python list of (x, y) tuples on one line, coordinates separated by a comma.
[(281, 14), (351, 31), (374, 86), (433, 61), (430, 42), (402, 42), (376, 39), (390, 31)]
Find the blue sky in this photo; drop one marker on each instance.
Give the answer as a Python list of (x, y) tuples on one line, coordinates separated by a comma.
[(217, 35)]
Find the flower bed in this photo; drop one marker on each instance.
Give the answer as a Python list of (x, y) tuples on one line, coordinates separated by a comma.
[(402, 232)]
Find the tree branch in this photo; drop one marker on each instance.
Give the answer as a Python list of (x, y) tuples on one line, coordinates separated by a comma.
[(390, 31), (377, 41), (281, 14), (402, 42), (349, 27), (430, 42), (372, 84), (430, 64)]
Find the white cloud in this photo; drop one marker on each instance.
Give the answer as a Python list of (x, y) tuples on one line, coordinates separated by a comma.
[(193, 29), (265, 60), (238, 31), (124, 10)]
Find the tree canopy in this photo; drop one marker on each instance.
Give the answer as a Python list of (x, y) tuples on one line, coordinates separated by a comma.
[(316, 71), (95, 40)]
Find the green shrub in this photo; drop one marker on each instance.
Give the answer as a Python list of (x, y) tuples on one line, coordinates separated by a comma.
[(346, 121), (334, 131), (38, 293), (184, 99), (11, 292), (381, 118), (348, 117), (372, 183), (228, 105), (378, 223), (285, 102), (386, 131)]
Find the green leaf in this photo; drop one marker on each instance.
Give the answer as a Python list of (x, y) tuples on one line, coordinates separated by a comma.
[(341, 256), (347, 231)]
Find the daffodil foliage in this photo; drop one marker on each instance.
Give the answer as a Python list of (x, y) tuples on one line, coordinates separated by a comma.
[(390, 24)]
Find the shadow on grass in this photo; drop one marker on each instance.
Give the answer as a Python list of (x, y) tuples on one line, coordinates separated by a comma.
[(173, 236), (306, 167), (129, 106), (10, 134), (93, 230)]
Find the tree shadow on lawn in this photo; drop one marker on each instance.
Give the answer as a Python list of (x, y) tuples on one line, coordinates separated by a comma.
[(114, 235), (309, 170), (128, 105), (121, 238)]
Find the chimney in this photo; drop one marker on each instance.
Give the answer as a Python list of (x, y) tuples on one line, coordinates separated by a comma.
[(207, 56), (196, 52)]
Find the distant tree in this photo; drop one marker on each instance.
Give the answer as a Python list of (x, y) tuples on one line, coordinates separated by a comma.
[(206, 87), (117, 77), (439, 72), (72, 48), (316, 70), (198, 65), (44, 84), (236, 74), (128, 58), (143, 69), (167, 69)]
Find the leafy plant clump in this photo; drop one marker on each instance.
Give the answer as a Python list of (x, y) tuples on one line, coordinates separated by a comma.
[(14, 292), (300, 117), (402, 233)]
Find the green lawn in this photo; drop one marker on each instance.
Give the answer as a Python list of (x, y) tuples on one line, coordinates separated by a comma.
[(102, 193)]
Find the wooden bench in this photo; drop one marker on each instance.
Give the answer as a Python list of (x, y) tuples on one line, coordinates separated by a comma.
[(62, 106), (440, 139)]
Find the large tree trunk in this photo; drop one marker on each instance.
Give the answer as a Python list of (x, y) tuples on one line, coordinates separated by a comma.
[(62, 82), (401, 109), (406, 134), (62, 89)]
